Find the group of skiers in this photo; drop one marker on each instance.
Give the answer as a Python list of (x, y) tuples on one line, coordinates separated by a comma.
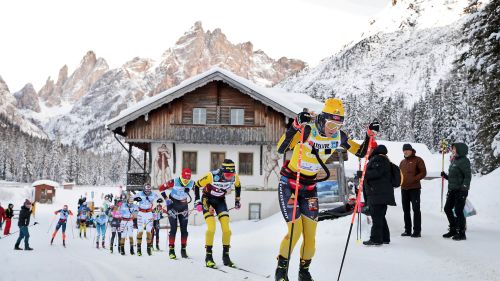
[(311, 139)]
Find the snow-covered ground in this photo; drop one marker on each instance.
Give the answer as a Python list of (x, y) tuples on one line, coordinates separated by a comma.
[(255, 246)]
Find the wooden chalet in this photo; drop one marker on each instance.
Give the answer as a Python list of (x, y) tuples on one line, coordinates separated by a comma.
[(207, 118)]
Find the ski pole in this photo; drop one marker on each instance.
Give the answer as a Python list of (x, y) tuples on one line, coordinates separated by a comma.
[(443, 148), (51, 223), (296, 192), (358, 197)]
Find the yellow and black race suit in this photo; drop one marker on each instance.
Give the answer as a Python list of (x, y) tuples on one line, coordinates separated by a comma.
[(215, 187), (306, 216)]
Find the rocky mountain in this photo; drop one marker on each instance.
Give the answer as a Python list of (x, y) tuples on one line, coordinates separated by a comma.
[(9, 110), (27, 98), (76, 106), (407, 50)]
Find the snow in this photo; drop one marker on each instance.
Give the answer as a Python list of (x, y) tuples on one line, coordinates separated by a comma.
[(45, 182), (255, 246), (433, 162)]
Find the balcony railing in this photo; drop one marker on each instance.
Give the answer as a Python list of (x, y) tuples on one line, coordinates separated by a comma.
[(220, 134)]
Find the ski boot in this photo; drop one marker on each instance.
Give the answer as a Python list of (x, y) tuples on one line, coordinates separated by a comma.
[(64, 243), (80, 235), (452, 232), (28, 248), (121, 248), (184, 253), (459, 236), (225, 256), (304, 274), (149, 249), (138, 250), (157, 247), (281, 273), (52, 241), (103, 245), (111, 248), (171, 253), (209, 260), (85, 235), (16, 247), (97, 244)]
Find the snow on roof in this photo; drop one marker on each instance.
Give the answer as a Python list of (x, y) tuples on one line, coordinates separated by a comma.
[(282, 101), (45, 182)]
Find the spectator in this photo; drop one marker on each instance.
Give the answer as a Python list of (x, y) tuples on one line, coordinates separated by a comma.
[(24, 221), (459, 176), (413, 169), (9, 214), (2, 215), (379, 193)]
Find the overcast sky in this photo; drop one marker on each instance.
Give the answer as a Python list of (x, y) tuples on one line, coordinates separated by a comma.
[(39, 37)]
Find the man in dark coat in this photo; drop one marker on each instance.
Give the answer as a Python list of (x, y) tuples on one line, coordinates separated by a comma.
[(459, 176), (24, 221), (379, 193), (413, 169)]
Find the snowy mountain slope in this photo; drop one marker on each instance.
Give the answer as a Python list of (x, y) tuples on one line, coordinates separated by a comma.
[(407, 50), (255, 246)]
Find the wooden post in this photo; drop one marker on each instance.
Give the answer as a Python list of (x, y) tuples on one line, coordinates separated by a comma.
[(174, 159), (261, 160)]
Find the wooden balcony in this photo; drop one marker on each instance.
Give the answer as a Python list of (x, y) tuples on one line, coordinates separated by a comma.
[(218, 134)]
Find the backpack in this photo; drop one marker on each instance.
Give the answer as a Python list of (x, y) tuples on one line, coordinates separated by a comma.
[(396, 175)]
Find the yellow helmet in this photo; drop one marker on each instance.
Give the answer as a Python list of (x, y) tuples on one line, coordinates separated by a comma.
[(334, 106)]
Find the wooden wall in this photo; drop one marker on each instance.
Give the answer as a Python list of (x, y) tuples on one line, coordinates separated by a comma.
[(174, 120)]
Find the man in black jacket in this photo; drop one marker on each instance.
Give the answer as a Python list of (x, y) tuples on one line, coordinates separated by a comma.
[(379, 193), (24, 221)]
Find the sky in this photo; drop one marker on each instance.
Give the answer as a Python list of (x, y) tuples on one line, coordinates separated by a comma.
[(39, 37)]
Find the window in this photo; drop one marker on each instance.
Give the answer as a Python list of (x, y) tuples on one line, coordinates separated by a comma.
[(199, 116), (216, 159), (237, 116), (245, 164), (254, 211), (189, 160)]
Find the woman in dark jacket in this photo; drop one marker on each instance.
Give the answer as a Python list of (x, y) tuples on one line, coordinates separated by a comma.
[(379, 193), (459, 176)]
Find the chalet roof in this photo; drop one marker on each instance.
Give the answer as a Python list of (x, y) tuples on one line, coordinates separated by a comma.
[(287, 103), (45, 182)]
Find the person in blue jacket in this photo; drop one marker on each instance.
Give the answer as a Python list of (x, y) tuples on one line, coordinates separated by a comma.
[(101, 221)]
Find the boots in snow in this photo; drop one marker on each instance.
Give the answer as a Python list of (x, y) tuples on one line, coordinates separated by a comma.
[(281, 270), (209, 260), (304, 274), (225, 256), (171, 253)]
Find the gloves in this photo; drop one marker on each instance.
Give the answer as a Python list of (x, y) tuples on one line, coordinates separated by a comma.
[(186, 190), (159, 200), (138, 199), (197, 206), (237, 204), (374, 126), (168, 202), (303, 117), (444, 175)]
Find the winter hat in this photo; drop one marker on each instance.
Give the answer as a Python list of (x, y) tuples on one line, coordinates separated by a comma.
[(334, 107), (186, 173), (380, 149), (407, 146), (228, 166)]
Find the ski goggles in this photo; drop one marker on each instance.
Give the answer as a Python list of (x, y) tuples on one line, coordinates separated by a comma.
[(333, 125)]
